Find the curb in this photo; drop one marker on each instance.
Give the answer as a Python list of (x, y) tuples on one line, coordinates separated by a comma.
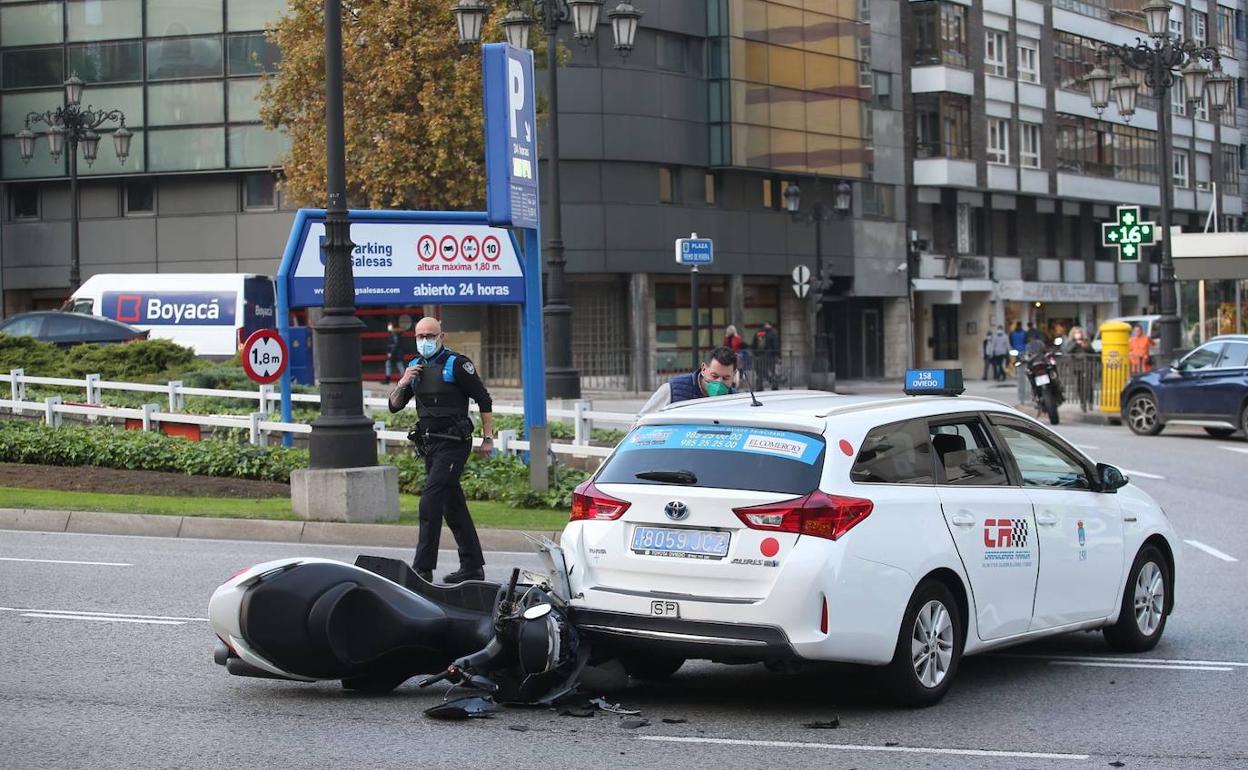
[(264, 530)]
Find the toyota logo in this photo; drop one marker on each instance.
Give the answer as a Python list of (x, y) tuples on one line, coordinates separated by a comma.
[(676, 510)]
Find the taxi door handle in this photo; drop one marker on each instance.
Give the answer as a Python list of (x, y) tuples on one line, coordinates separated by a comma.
[(1046, 519), (962, 519)]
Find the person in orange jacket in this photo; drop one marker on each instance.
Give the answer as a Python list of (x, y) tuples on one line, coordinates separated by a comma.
[(1139, 347)]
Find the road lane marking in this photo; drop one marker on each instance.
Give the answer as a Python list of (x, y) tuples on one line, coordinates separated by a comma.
[(858, 747), (1039, 656), (64, 561), (103, 614), (1214, 552), (103, 619), (1241, 450), (1101, 664), (1142, 474)]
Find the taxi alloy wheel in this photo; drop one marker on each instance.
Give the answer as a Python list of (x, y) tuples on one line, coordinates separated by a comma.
[(931, 644), (1150, 598), (1145, 604), (1142, 416)]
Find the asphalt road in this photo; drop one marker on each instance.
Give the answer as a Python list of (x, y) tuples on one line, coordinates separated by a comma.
[(138, 688)]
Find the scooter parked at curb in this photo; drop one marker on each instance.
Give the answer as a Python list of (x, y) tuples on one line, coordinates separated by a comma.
[(375, 624)]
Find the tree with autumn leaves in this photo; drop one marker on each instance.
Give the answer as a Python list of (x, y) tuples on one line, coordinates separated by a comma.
[(412, 99)]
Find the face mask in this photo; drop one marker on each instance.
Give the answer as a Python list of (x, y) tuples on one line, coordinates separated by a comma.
[(716, 388), (426, 348)]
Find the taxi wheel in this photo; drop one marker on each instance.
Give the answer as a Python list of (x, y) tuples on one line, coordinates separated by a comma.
[(651, 668), (1142, 618), (1142, 415), (929, 646)]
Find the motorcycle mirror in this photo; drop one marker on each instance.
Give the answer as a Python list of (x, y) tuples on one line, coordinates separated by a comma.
[(537, 612)]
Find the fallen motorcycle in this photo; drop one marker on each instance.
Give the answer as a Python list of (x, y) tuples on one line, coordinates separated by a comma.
[(375, 624)]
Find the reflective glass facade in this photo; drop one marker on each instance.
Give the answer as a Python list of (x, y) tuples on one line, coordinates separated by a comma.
[(185, 72), (786, 90)]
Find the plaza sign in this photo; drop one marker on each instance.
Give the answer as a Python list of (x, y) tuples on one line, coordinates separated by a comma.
[(1128, 234)]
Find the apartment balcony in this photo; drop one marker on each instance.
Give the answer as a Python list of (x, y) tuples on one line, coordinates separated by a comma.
[(1049, 270)]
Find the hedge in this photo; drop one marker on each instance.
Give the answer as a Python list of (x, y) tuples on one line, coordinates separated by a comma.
[(499, 477)]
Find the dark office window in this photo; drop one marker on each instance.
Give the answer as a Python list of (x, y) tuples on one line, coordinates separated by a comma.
[(878, 200), (667, 184), (1100, 148), (251, 55), (259, 191), (942, 125), (670, 52), (883, 90), (107, 62), (895, 454), (945, 332), (188, 57), (33, 67), (140, 197), (25, 198)]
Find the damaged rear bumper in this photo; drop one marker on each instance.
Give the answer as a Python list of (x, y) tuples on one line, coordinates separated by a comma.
[(722, 642)]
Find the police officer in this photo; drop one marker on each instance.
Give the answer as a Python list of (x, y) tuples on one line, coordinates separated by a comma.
[(441, 382)]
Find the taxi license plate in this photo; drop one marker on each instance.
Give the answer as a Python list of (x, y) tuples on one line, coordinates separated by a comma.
[(665, 609), (1042, 379), (680, 543)]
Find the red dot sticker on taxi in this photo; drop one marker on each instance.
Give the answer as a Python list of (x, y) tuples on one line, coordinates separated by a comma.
[(847, 448), (769, 547)]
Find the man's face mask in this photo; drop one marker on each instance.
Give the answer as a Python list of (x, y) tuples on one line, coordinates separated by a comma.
[(427, 346), (716, 388)]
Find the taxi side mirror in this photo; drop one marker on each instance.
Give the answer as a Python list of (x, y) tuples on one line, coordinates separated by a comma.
[(1111, 478)]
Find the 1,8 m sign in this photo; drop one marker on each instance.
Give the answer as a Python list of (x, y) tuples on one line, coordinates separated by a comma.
[(264, 356)]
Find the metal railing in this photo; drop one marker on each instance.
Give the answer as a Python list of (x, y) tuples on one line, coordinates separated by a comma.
[(1080, 376)]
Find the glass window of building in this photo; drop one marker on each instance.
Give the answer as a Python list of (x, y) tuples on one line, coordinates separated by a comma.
[(177, 58), (186, 149), (25, 201), (1200, 27), (1200, 110), (878, 200), (942, 126), (667, 185), (998, 140), (259, 192), (171, 18), (252, 55), (1029, 60), (670, 52), (940, 30), (32, 67), (186, 103), (995, 42), (16, 106), (1029, 145), (1099, 148), (32, 24), (242, 100), (1230, 171), (107, 62), (945, 332), (247, 15), (104, 19), (768, 196), (1178, 97), (256, 146), (709, 184), (139, 197), (1226, 30), (1180, 163), (1204, 170)]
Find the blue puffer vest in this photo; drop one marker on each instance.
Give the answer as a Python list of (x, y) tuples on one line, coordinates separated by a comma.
[(685, 387)]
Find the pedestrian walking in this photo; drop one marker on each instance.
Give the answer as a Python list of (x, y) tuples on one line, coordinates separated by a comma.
[(766, 351), (986, 346), (1000, 352), (1079, 348), (441, 382), (732, 340), (1018, 341), (394, 350), (716, 376), (1139, 346)]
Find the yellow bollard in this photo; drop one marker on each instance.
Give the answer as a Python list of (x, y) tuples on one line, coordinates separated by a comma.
[(1115, 364)]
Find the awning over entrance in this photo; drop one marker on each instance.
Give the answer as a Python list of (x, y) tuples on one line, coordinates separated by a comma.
[(1037, 291), (1210, 256)]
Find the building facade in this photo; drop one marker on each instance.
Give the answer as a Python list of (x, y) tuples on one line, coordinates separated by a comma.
[(1011, 170)]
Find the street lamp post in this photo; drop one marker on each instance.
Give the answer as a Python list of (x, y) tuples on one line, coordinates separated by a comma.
[(819, 213), (562, 378), (76, 126), (1162, 60), (342, 437)]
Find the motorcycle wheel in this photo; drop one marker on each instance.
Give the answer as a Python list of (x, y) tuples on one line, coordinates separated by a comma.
[(1050, 405)]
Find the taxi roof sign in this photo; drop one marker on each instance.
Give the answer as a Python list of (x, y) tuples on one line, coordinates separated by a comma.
[(934, 382)]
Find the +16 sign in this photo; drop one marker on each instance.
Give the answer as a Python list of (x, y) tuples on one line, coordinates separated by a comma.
[(1128, 234)]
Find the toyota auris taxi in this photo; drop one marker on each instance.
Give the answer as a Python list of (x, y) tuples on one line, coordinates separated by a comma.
[(901, 532)]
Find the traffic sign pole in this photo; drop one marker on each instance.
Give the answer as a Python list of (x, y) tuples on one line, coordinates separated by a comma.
[(694, 251), (693, 289)]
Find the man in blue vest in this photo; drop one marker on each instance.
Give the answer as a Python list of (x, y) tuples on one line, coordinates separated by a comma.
[(441, 381), (715, 377)]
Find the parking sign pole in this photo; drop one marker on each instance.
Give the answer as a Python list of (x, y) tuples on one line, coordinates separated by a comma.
[(693, 304)]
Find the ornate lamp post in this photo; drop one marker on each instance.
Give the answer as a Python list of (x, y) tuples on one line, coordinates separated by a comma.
[(562, 379), (820, 212), (1163, 60), (76, 126)]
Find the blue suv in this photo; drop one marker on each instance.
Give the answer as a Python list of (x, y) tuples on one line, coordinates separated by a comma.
[(1208, 387)]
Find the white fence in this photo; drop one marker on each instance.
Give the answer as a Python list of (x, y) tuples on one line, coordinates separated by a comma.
[(260, 424)]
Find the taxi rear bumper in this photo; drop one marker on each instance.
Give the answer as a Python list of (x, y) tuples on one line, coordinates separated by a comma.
[(707, 640)]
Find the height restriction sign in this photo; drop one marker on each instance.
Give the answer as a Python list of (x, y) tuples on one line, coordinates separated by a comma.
[(264, 356), (1128, 234)]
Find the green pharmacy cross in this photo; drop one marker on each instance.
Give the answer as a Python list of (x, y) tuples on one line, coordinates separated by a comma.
[(1128, 234)]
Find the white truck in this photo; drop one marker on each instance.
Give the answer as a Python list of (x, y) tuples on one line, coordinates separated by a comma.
[(213, 313)]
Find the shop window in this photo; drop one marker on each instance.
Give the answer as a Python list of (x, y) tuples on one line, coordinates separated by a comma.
[(259, 192), (25, 201), (944, 332), (139, 197)]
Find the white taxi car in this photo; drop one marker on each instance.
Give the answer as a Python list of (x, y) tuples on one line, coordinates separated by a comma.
[(900, 532)]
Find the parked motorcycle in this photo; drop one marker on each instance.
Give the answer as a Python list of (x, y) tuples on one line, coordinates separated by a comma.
[(1046, 388), (375, 624)]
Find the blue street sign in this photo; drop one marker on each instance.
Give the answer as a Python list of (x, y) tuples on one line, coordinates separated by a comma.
[(694, 251), (510, 136)]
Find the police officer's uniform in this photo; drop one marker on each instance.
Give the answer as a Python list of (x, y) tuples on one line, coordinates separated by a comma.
[(443, 437)]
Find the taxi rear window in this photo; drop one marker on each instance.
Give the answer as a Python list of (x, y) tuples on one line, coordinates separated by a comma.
[(718, 456)]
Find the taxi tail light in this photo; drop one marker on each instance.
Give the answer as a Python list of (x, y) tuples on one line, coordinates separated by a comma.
[(589, 503), (817, 514)]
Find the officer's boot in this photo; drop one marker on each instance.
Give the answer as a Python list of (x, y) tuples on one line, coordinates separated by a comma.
[(425, 575), (465, 573)]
